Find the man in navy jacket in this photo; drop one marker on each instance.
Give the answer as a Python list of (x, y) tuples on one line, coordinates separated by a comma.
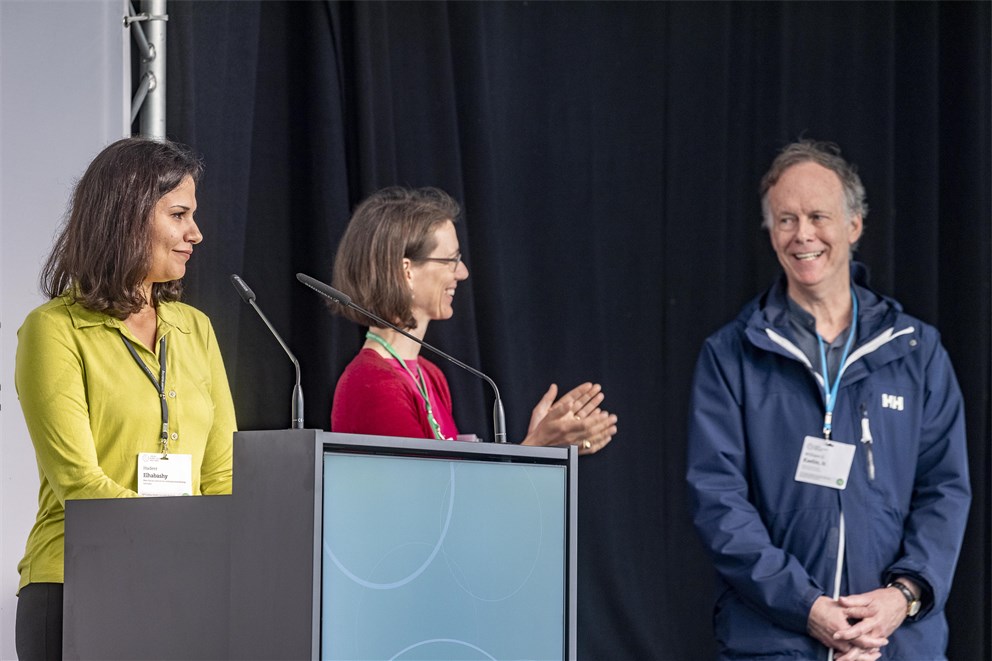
[(827, 461)]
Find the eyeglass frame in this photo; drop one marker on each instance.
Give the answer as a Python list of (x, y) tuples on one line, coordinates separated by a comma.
[(454, 261)]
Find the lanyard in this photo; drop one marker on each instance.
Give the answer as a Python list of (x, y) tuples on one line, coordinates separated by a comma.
[(159, 386), (420, 383), (830, 390)]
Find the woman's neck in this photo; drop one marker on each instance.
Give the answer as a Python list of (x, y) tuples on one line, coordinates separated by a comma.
[(406, 348), (144, 325)]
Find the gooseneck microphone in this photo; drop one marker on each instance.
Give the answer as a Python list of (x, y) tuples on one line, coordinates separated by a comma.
[(248, 296), (499, 419)]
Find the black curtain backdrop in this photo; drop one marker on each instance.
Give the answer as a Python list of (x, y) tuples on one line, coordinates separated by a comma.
[(607, 156)]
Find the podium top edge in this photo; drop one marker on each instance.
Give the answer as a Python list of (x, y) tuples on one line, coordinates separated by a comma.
[(333, 441)]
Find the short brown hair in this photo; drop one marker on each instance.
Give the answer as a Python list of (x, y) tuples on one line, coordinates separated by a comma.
[(390, 225), (103, 251), (824, 154)]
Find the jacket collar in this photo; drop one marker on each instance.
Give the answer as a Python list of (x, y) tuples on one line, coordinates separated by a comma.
[(169, 314), (771, 309), (884, 333)]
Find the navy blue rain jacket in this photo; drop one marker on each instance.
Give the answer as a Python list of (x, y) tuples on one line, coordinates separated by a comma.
[(775, 540)]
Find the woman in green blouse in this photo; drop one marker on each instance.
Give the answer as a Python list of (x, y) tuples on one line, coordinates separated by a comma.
[(114, 372)]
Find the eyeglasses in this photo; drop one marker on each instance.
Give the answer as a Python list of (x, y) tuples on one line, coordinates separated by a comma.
[(452, 261)]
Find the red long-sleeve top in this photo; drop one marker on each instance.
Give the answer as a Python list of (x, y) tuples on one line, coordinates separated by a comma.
[(377, 396)]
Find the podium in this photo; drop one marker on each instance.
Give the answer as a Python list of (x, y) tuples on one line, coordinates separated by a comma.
[(335, 546)]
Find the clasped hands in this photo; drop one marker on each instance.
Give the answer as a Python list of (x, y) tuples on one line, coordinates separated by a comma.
[(857, 626), (575, 419)]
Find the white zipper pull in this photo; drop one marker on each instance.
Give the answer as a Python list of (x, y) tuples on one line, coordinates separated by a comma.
[(866, 441)]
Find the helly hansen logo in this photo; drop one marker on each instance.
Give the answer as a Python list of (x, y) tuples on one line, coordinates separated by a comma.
[(893, 402)]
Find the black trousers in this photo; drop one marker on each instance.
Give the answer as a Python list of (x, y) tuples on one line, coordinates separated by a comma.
[(38, 632)]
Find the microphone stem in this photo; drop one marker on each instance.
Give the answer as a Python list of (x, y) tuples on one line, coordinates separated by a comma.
[(297, 411), (499, 419), (386, 324)]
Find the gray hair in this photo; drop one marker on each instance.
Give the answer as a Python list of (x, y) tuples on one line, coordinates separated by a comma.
[(825, 154)]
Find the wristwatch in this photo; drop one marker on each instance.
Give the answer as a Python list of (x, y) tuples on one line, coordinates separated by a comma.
[(912, 602)]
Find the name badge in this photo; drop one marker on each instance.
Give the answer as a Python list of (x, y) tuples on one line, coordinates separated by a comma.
[(165, 476), (825, 463)]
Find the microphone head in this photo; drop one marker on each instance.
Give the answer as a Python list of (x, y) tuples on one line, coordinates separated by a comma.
[(326, 290), (244, 291)]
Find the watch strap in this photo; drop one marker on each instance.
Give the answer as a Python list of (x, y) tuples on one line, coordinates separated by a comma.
[(912, 601)]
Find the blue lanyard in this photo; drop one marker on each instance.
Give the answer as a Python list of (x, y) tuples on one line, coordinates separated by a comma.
[(159, 386), (830, 390)]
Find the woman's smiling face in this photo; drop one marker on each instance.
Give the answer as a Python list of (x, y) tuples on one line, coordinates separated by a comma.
[(433, 283), (173, 233)]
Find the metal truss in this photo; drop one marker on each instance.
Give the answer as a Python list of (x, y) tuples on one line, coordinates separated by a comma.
[(148, 32)]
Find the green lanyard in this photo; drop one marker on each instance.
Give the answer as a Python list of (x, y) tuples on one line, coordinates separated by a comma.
[(419, 382)]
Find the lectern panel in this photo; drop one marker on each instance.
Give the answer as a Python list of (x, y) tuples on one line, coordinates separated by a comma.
[(431, 558), (335, 545)]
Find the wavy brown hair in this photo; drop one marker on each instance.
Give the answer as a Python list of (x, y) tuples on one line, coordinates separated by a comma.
[(390, 225), (103, 251)]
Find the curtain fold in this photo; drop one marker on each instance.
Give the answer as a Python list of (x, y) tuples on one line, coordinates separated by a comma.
[(607, 156)]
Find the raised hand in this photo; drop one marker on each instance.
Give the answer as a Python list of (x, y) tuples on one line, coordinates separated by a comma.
[(575, 419)]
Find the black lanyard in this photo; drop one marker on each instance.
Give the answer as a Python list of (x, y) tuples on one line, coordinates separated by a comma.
[(159, 386)]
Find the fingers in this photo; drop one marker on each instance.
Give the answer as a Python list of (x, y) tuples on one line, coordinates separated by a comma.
[(603, 424), (549, 397), (826, 618), (858, 654), (853, 600), (576, 430), (600, 433), (880, 612), (864, 639), (541, 409), (871, 643), (560, 427), (851, 654), (854, 652), (861, 612), (864, 634), (586, 396), (591, 403), (577, 392), (562, 410), (574, 419)]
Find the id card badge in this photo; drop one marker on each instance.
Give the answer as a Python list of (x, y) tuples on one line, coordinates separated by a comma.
[(825, 463), (165, 476)]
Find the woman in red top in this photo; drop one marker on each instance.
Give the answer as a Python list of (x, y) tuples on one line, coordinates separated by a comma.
[(399, 258)]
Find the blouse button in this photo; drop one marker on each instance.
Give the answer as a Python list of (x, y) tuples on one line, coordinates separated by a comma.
[(172, 393), (174, 436)]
